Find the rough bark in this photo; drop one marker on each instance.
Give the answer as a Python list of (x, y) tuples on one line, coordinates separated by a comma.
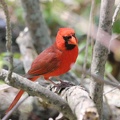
[(36, 24), (80, 102), (100, 53), (8, 40), (76, 99), (35, 89)]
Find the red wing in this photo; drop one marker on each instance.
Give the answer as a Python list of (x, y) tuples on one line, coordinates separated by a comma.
[(46, 62)]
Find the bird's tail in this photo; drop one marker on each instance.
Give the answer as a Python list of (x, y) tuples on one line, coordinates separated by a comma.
[(15, 100), (20, 94)]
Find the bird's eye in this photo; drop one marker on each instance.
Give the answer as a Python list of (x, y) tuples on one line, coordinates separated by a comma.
[(67, 37)]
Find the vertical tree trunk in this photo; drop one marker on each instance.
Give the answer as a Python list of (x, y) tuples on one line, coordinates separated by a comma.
[(36, 24), (100, 52)]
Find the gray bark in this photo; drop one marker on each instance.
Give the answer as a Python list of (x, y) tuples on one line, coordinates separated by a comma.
[(36, 24), (75, 102), (80, 103), (100, 53), (35, 89)]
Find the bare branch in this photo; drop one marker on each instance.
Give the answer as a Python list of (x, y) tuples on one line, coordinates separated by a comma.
[(111, 77), (98, 79), (115, 14), (8, 40), (35, 89), (36, 24), (88, 33), (100, 53), (14, 108), (80, 103), (78, 99)]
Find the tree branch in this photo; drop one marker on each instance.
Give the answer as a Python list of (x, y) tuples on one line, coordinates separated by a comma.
[(76, 99), (100, 53), (8, 40), (88, 34), (80, 103), (35, 89), (115, 14), (14, 108), (97, 78), (36, 24)]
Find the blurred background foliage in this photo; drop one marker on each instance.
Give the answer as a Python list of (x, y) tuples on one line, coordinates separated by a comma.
[(56, 14)]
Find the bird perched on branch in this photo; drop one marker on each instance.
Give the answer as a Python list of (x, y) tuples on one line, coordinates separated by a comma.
[(53, 61)]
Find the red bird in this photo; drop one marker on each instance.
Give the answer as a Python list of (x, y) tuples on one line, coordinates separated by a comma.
[(53, 61)]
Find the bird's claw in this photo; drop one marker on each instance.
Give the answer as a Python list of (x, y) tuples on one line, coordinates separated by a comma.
[(62, 85)]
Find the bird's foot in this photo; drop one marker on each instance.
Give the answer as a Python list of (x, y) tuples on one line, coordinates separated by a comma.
[(60, 86), (52, 82), (63, 85)]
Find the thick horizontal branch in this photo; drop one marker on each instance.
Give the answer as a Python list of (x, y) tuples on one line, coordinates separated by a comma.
[(76, 100), (35, 89), (80, 103)]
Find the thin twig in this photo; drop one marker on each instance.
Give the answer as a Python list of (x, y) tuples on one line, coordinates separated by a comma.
[(115, 14), (98, 79), (14, 108), (111, 77), (8, 39), (110, 90), (114, 82), (106, 101), (113, 21), (88, 34)]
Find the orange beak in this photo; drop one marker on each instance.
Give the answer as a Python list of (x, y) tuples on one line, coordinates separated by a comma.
[(73, 41)]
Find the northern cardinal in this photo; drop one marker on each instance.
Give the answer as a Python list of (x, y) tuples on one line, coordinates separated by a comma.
[(53, 61)]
